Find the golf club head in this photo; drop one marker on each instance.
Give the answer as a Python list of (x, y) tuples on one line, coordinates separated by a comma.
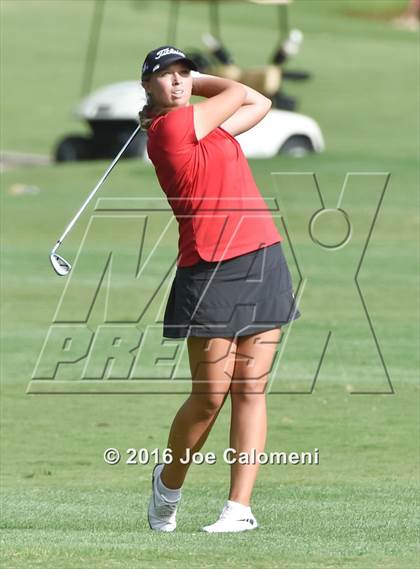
[(60, 265)]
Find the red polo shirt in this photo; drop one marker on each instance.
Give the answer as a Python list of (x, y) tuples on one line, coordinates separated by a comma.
[(209, 185)]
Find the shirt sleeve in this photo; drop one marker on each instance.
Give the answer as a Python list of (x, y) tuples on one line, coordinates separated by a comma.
[(175, 131)]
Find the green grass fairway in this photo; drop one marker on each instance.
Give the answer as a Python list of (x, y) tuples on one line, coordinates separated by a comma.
[(62, 506)]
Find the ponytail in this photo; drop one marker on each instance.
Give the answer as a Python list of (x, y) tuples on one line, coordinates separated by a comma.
[(150, 112)]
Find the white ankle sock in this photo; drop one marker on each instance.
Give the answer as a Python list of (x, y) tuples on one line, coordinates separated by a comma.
[(238, 508), (171, 494)]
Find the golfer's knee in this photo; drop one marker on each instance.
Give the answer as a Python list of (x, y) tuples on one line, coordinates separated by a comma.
[(248, 392), (207, 405)]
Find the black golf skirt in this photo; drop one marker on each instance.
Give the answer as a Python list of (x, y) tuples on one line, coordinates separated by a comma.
[(236, 297)]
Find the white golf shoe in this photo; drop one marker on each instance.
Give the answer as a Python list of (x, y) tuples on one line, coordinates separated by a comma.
[(161, 512), (233, 519)]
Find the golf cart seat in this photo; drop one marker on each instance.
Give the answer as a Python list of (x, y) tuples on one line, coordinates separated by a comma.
[(264, 79), (229, 71)]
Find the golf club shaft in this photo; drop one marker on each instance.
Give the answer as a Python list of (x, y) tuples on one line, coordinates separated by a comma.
[(95, 189)]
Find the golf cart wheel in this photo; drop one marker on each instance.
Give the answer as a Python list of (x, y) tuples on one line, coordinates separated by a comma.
[(73, 148), (137, 147), (297, 146)]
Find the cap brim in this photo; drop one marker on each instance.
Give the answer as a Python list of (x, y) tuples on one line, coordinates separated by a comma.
[(169, 61)]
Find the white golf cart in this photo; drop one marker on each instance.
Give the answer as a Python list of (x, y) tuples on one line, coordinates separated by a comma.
[(112, 111), (112, 115)]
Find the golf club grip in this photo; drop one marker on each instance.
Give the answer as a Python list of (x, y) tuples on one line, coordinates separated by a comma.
[(98, 185)]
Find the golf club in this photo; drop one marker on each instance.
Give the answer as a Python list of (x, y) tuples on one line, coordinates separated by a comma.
[(60, 265)]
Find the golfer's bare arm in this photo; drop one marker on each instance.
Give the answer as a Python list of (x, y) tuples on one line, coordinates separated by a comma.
[(223, 98), (225, 107)]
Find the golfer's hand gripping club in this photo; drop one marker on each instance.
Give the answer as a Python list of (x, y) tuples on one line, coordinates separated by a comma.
[(60, 265)]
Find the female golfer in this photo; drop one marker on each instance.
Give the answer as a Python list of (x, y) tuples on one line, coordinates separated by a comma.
[(232, 290)]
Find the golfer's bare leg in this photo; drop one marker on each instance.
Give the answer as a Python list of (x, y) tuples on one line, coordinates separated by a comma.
[(254, 357), (211, 361)]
